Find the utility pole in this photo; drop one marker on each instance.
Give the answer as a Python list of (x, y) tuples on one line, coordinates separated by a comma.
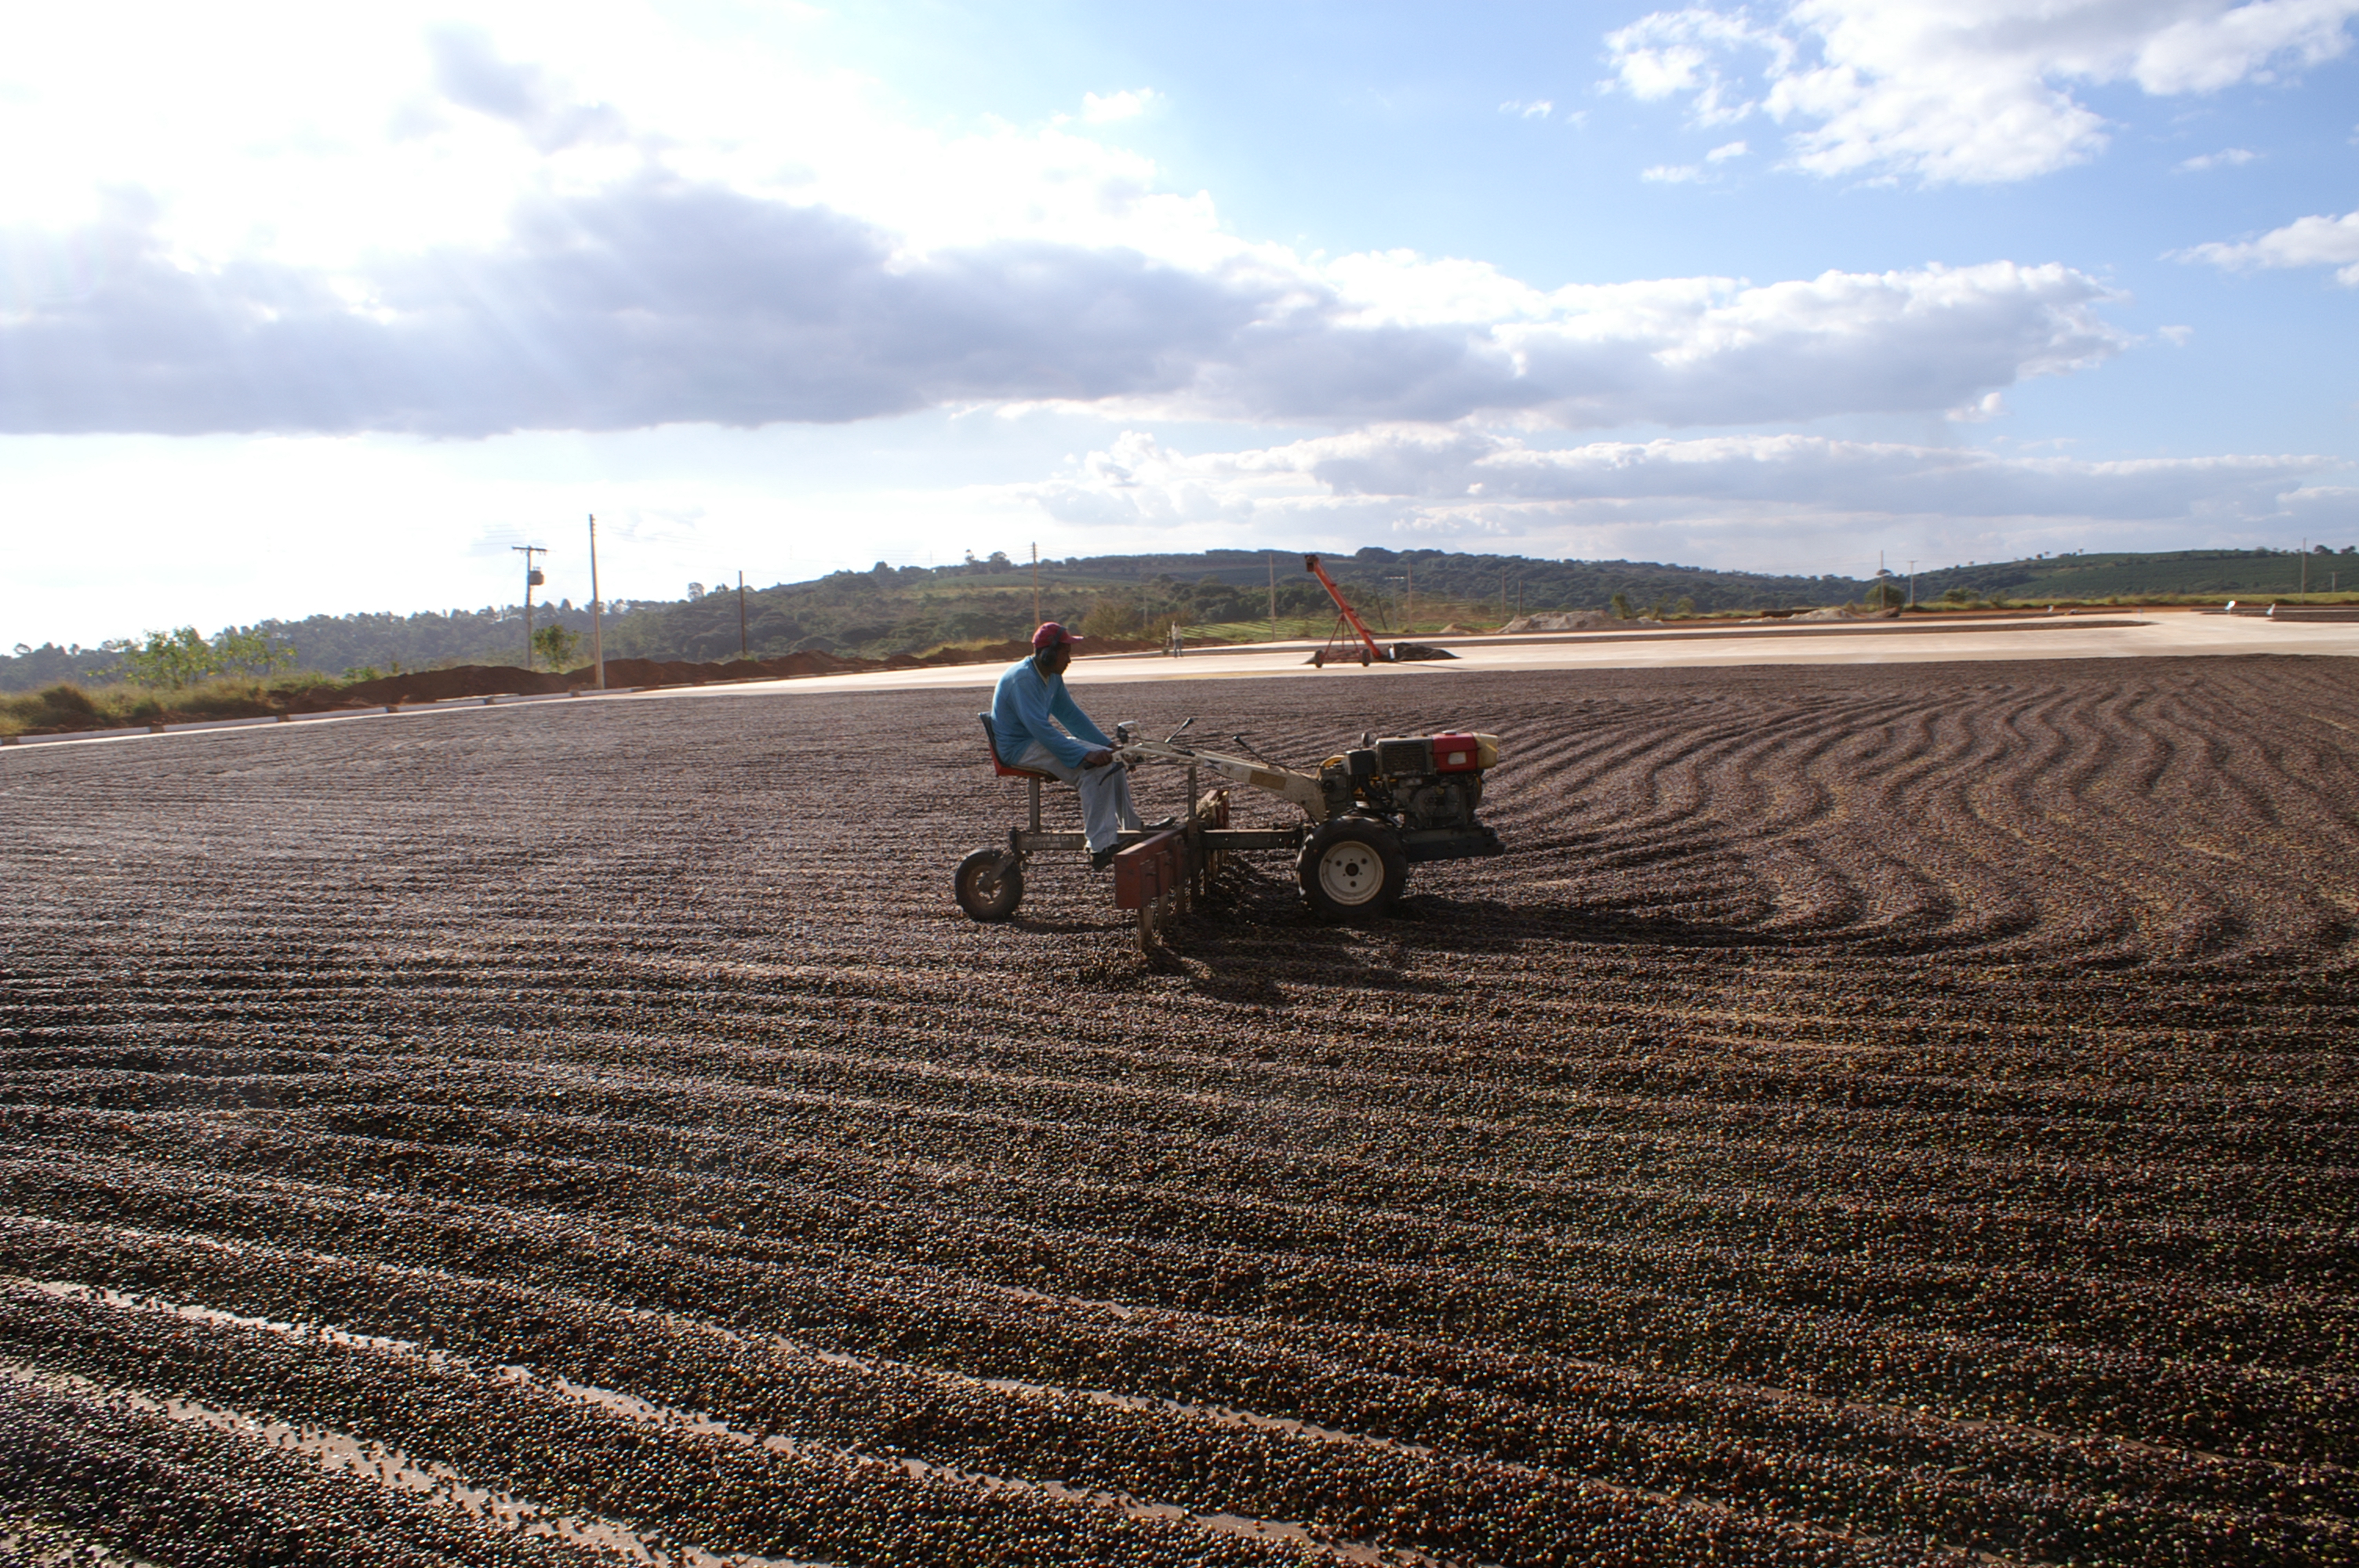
[(1036, 582), (1408, 594), (597, 636), (532, 578), (2305, 565), (1503, 596), (1912, 585), (743, 652), (1272, 561)]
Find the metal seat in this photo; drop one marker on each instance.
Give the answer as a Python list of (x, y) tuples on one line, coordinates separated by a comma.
[(1000, 764)]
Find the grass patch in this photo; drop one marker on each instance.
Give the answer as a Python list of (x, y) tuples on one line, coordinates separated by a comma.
[(123, 705)]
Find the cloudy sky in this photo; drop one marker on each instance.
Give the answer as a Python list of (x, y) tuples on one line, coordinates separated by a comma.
[(311, 307)]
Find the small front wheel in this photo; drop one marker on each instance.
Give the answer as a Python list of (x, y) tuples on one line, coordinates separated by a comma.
[(1353, 870), (989, 884)]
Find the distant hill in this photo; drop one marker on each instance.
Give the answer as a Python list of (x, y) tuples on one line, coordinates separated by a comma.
[(2126, 575), (892, 610)]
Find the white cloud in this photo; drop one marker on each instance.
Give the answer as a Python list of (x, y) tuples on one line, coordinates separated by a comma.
[(2177, 337), (526, 224), (790, 503), (652, 300), (1694, 173), (322, 138), (2315, 241), (1127, 105), (1673, 53), (1762, 499), (2226, 158), (470, 74), (1960, 90)]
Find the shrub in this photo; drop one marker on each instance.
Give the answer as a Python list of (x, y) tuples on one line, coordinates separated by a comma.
[(555, 645), (66, 707), (1115, 615), (165, 658), (176, 659)]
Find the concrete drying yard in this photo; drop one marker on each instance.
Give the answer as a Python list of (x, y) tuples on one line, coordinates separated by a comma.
[(1893, 1103)]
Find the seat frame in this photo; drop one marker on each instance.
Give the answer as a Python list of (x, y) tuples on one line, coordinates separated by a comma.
[(1033, 777)]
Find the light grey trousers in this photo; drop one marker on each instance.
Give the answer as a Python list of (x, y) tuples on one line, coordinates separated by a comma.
[(1105, 793)]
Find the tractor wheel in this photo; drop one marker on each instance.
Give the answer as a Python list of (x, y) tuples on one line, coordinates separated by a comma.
[(1351, 870), (990, 884)]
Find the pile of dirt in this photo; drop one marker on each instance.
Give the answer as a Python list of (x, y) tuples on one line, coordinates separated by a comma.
[(989, 654), (1845, 613), (460, 680), (1569, 621)]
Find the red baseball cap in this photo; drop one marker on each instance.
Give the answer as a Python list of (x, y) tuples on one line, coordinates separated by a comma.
[(1049, 634)]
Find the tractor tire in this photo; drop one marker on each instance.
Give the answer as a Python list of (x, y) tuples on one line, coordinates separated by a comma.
[(989, 884), (1353, 870)]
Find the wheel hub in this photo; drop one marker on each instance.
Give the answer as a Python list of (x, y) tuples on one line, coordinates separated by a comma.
[(1350, 873)]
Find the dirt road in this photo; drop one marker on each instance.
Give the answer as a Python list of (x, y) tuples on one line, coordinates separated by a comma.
[(1872, 1115)]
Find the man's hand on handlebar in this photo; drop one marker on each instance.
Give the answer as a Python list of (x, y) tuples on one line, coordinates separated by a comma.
[(1098, 757)]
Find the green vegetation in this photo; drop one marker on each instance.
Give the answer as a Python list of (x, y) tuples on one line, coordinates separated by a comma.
[(2164, 577), (888, 610), (175, 659), (554, 644), (69, 706), (914, 609)]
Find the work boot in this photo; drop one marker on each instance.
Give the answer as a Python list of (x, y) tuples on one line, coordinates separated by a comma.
[(1101, 859)]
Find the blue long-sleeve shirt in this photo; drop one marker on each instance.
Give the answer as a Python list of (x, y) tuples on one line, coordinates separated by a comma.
[(1022, 709)]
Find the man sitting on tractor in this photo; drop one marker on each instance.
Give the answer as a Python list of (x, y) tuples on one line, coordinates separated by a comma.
[(1026, 710)]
